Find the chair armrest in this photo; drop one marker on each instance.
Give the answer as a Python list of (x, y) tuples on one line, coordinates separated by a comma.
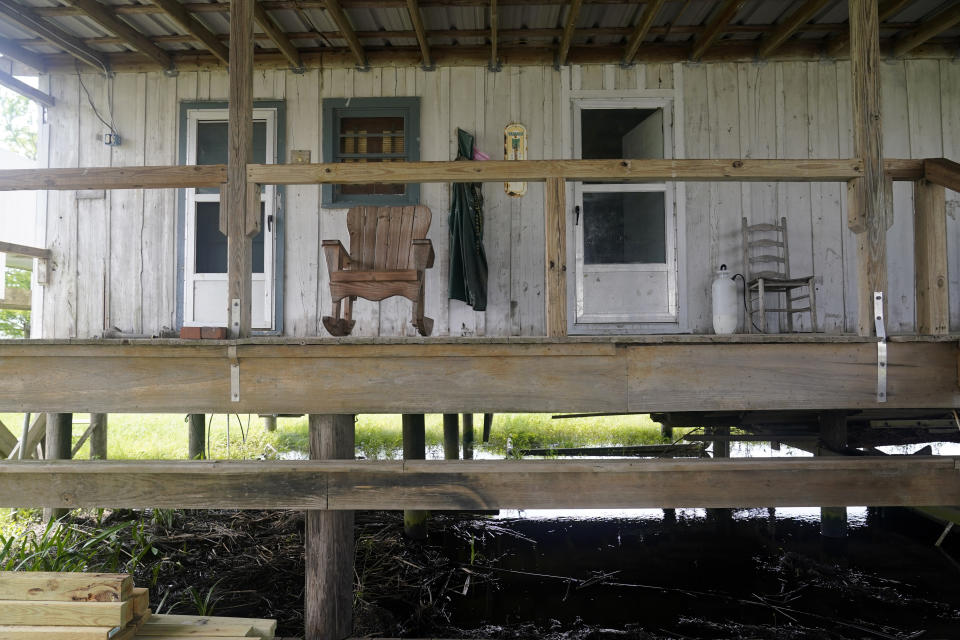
[(422, 254), (337, 257)]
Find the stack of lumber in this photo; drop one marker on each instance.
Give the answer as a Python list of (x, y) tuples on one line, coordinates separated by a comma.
[(102, 606)]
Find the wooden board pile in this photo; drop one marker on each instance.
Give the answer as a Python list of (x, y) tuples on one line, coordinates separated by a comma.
[(102, 606)]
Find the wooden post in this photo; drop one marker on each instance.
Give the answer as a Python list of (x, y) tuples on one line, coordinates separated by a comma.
[(930, 258), (721, 449), (240, 210), (328, 589), (198, 431), (269, 423), (451, 436), (487, 426), (58, 447), (555, 289), (468, 436), (833, 436), (98, 436), (867, 196), (414, 448)]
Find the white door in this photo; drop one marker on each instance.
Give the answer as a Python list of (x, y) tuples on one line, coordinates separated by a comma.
[(205, 255), (625, 234)]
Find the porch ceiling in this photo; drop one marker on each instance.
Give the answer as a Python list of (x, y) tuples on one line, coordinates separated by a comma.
[(458, 32)]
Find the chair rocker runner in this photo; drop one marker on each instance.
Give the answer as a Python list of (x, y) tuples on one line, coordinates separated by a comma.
[(766, 263), (389, 255)]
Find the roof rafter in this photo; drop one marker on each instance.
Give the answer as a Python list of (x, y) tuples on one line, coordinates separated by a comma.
[(25, 18), (346, 30), (194, 27), (12, 50), (721, 19), (277, 35), (789, 26), (932, 27), (413, 8), (650, 11), (887, 10), (571, 24), (106, 19)]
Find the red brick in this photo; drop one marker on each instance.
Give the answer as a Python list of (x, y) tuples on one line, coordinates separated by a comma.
[(213, 333), (190, 333)]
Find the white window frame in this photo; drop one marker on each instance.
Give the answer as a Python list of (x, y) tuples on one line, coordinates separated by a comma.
[(267, 196), (671, 267)]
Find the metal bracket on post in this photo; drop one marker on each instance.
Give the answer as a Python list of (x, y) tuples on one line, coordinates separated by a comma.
[(235, 318), (234, 373), (881, 346)]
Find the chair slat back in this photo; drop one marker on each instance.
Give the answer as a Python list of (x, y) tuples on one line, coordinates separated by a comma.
[(766, 253), (381, 238)]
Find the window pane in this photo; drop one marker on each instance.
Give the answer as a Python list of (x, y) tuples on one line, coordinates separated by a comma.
[(212, 145), (211, 247), (611, 134), (622, 228), (371, 139)]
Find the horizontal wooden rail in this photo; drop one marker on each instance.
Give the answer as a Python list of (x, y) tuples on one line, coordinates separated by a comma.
[(24, 251), (166, 177), (15, 299), (729, 170), (196, 176), (661, 373), (772, 482), (943, 172)]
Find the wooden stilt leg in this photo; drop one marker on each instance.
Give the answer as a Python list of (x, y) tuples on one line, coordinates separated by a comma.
[(414, 448), (468, 436), (833, 434), (198, 436), (58, 447), (451, 436), (98, 436), (328, 593)]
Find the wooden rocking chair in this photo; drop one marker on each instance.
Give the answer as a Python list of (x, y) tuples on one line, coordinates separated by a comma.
[(390, 253)]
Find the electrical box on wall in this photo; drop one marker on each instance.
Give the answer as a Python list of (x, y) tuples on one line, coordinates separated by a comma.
[(111, 139)]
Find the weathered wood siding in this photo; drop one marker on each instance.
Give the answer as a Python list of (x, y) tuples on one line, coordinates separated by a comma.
[(115, 252)]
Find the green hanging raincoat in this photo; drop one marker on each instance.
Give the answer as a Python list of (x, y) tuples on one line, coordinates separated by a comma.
[(468, 261)]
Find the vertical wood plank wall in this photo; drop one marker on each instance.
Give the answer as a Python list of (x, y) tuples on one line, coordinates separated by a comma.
[(115, 252)]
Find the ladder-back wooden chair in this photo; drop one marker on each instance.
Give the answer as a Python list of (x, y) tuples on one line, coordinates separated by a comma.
[(766, 264), (389, 253)]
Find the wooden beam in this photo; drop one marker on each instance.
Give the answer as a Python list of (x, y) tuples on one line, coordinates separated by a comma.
[(716, 27), (189, 23), (14, 51), (930, 258), (563, 51), (650, 11), (539, 170), (481, 484), (867, 196), (106, 18), (238, 196), (16, 299), (555, 262), (276, 34), (53, 586), (25, 90), (943, 172), (328, 605), (187, 176), (24, 250), (661, 373), (789, 26), (494, 36), (26, 18), (413, 8), (841, 43), (936, 25), (346, 30)]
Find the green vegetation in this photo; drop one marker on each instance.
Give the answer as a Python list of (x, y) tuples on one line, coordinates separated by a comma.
[(15, 324), (19, 124)]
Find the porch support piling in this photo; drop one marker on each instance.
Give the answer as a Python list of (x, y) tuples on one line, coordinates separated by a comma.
[(414, 448), (197, 430), (98, 436), (451, 436), (239, 201), (468, 436), (328, 573), (833, 436), (867, 196), (57, 447)]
